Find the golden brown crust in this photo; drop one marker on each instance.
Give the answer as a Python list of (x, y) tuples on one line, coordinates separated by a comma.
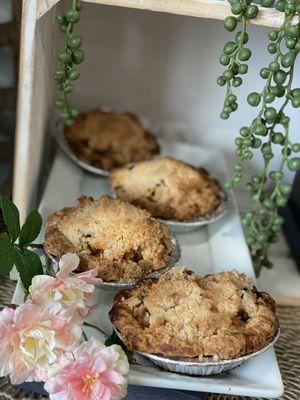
[(119, 238), (168, 188), (107, 140), (221, 315)]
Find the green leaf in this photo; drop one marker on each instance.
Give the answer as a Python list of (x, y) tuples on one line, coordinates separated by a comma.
[(31, 228), (114, 339), (7, 258), (11, 217), (5, 243), (7, 261), (28, 265)]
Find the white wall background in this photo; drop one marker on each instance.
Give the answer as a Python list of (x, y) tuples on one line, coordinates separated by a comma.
[(164, 67)]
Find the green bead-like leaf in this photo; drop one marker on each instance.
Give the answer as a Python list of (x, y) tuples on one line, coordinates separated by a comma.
[(78, 5), (69, 121), (280, 5), (77, 56), (74, 112), (294, 164), (28, 265), (296, 147), (239, 37), (236, 8), (244, 54), (229, 47), (31, 228), (273, 35), (252, 11), (230, 23), (60, 103), (285, 188), (74, 42), (11, 217), (60, 18), (236, 82), (72, 16), (221, 81), (253, 99), (228, 185), (73, 74)]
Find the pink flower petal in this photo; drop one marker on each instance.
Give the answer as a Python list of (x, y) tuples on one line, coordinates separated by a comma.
[(26, 314), (90, 276), (67, 264), (83, 374), (33, 336)]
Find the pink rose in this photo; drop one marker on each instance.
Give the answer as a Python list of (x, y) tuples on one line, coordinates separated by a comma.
[(68, 289), (32, 337), (90, 372), (6, 331)]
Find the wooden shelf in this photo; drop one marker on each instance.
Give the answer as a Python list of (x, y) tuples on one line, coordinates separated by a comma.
[(214, 9)]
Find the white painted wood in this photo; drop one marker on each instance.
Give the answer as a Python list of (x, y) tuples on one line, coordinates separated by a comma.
[(215, 9), (24, 106), (43, 6), (35, 100)]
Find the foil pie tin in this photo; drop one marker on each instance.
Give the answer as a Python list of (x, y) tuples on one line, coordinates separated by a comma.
[(115, 286), (66, 148), (185, 366), (190, 226)]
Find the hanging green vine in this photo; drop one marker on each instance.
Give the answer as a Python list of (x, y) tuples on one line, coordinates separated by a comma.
[(270, 127), (70, 56)]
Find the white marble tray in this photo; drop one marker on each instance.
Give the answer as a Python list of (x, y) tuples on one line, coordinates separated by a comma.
[(217, 247)]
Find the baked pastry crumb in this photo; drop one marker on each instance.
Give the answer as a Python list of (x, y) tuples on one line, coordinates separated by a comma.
[(119, 238), (168, 188), (107, 140), (180, 314)]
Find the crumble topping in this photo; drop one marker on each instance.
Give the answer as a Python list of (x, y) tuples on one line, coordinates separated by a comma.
[(119, 238), (168, 188), (180, 314), (107, 140)]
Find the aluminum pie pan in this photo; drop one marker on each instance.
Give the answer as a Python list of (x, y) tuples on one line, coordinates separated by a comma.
[(115, 286), (190, 226), (184, 366), (66, 148)]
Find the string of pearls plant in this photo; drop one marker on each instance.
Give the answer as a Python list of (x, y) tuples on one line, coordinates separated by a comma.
[(270, 127), (68, 58)]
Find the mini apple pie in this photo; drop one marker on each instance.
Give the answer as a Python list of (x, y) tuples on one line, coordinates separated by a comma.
[(119, 238), (182, 315), (107, 140), (168, 188)]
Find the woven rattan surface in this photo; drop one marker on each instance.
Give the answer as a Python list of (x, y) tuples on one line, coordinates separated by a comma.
[(287, 350)]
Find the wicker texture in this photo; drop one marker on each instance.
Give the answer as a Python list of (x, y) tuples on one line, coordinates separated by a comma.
[(287, 350)]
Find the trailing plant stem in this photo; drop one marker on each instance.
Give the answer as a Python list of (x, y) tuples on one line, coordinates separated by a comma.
[(87, 324)]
